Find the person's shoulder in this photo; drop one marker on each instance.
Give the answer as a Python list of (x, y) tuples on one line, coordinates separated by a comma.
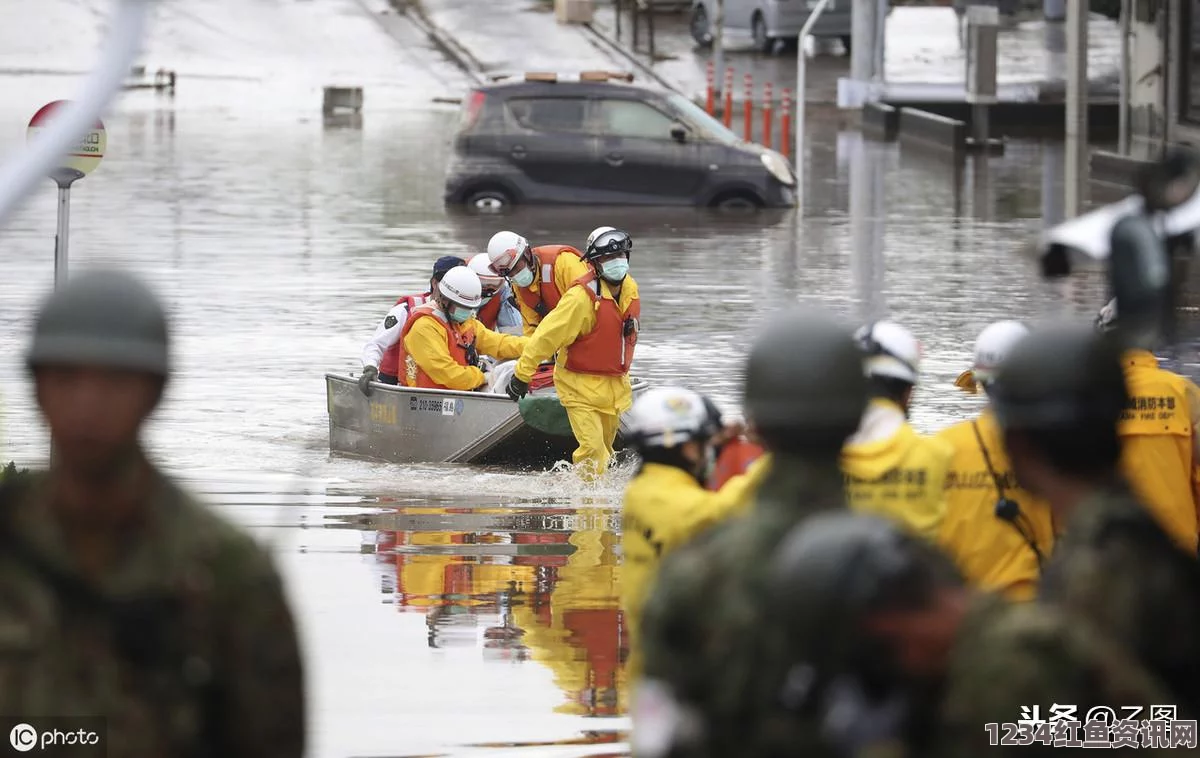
[(208, 538), (955, 435)]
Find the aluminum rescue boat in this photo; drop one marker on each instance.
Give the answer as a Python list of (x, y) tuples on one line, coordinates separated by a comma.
[(414, 425)]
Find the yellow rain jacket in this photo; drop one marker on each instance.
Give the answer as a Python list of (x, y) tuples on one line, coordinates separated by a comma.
[(567, 269), (892, 471), (664, 508), (989, 551), (580, 637), (427, 344), (594, 402), (1158, 437)]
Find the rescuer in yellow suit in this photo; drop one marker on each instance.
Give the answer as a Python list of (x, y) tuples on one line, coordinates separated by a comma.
[(997, 533), (442, 340), (666, 503), (594, 331), (539, 276), (1159, 445), (891, 470)]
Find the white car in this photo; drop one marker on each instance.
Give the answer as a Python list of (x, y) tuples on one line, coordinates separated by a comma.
[(771, 20)]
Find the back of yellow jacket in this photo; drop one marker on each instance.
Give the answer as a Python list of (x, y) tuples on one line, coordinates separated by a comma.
[(989, 551), (664, 508), (1157, 439), (900, 476)]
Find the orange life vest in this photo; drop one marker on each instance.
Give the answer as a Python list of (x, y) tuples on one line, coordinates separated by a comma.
[(458, 343), (547, 295), (735, 458), (608, 348), (390, 365), (489, 313)]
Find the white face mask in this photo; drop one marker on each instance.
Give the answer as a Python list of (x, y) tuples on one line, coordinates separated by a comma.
[(524, 278), (615, 270), (460, 314)]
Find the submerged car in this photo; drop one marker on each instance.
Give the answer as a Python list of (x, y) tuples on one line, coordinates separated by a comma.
[(601, 142)]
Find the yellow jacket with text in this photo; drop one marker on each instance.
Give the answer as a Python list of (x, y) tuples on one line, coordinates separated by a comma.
[(567, 269), (1158, 438), (990, 552), (427, 344), (573, 317), (892, 471), (664, 508)]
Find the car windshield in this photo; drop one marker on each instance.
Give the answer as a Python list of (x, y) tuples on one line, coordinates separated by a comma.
[(698, 119)]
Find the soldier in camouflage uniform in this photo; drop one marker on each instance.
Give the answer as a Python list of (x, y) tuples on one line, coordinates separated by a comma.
[(1059, 398), (120, 596), (707, 646), (889, 652)]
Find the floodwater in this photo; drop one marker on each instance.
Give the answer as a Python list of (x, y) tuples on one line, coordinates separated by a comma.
[(447, 609)]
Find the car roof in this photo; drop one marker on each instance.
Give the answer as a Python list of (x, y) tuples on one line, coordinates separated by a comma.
[(568, 88)]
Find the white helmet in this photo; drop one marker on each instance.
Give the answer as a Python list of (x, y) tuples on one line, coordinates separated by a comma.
[(504, 248), (669, 416), (482, 266), (993, 345), (596, 233), (461, 285), (892, 351)]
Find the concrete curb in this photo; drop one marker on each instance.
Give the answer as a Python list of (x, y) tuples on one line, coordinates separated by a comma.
[(441, 39), (617, 48)]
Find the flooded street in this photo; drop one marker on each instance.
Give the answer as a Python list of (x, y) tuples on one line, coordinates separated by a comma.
[(448, 609)]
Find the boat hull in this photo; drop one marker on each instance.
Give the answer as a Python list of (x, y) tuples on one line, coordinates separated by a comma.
[(414, 425)]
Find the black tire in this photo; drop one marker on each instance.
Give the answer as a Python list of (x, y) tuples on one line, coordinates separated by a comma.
[(762, 42), (487, 200), (737, 202), (701, 27)]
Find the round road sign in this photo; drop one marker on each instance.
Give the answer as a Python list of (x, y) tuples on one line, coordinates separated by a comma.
[(87, 154)]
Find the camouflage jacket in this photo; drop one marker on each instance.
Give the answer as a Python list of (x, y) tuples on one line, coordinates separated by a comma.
[(1115, 567), (708, 634), (185, 648), (1029, 662)]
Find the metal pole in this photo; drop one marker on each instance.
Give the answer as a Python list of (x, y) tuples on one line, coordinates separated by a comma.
[(1123, 101), (863, 31), (1077, 108), (719, 48), (61, 239), (801, 74)]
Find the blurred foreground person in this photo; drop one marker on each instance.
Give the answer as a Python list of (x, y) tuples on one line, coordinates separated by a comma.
[(125, 598), (997, 532), (1159, 432), (675, 432), (890, 469), (885, 651), (703, 623), (1059, 398)]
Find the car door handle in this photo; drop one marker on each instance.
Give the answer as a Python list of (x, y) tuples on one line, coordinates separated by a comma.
[(614, 159), (518, 151)]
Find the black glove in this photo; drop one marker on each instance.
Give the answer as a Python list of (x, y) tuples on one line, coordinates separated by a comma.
[(516, 388), (369, 374)]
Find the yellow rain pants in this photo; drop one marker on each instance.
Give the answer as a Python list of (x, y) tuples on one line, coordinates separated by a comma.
[(594, 402)]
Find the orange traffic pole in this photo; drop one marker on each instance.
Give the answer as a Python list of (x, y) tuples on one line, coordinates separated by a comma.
[(748, 109), (785, 122), (728, 114), (766, 115), (710, 96)]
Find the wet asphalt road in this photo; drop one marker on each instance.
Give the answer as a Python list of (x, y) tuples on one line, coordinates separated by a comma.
[(447, 607)]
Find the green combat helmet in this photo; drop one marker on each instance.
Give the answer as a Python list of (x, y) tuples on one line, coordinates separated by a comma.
[(1061, 378), (805, 387), (830, 573), (102, 318)]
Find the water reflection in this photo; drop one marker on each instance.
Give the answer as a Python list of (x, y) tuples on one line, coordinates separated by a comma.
[(521, 585)]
